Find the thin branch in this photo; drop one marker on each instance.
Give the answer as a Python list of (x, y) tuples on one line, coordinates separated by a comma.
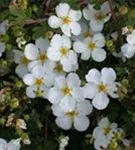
[(37, 21), (112, 9)]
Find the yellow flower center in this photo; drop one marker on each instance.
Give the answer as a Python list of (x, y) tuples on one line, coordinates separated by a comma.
[(91, 46), (106, 130), (102, 87), (24, 60), (87, 34), (58, 68), (64, 51), (66, 20), (72, 114), (43, 57), (39, 82), (67, 90), (100, 16)]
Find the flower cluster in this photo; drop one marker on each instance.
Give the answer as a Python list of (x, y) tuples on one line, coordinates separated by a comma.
[(105, 133), (49, 67), (67, 68)]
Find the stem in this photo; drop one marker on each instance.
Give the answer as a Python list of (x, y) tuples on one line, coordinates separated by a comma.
[(32, 21), (46, 129), (112, 10)]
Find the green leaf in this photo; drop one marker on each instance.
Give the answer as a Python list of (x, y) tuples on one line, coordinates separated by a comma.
[(39, 31), (18, 12)]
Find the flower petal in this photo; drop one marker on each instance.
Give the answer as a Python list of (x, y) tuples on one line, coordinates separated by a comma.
[(54, 95), (42, 44), (54, 22), (81, 123), (57, 111), (30, 91), (99, 55), (89, 12), (75, 15), (62, 10), (93, 76), (21, 70), (14, 144), (66, 29), (96, 26), (108, 75), (105, 7), (73, 80), (3, 144), (66, 42), (31, 51), (75, 28), (85, 55), (64, 122), (29, 79), (99, 39), (84, 107), (131, 37), (67, 103), (53, 54), (60, 82), (100, 101), (90, 90), (128, 50), (79, 47)]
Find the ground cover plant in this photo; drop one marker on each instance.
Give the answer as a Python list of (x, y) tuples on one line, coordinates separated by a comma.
[(67, 75)]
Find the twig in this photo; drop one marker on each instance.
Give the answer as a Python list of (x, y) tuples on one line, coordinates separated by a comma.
[(46, 129), (32, 21), (83, 2), (112, 9)]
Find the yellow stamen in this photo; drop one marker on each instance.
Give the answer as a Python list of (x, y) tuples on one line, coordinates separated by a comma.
[(43, 57), (100, 16), (67, 90), (64, 51), (102, 87), (72, 114), (106, 130), (39, 82), (66, 20), (91, 45)]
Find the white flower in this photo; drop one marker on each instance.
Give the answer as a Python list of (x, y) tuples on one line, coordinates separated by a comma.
[(2, 48), (91, 47), (12, 145), (77, 117), (100, 86), (22, 62), (97, 18), (37, 53), (103, 133), (66, 19), (38, 81), (66, 92), (128, 49), (3, 27), (60, 50)]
